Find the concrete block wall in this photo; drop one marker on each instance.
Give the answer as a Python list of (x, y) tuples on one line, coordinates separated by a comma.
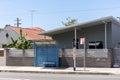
[(2, 57), (18, 60), (64, 61), (90, 61)]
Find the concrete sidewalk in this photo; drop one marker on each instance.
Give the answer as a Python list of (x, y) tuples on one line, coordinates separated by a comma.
[(79, 70)]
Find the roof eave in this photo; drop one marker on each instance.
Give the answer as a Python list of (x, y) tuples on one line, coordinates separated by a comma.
[(81, 25)]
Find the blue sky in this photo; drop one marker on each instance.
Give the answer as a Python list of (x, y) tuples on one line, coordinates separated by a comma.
[(49, 13)]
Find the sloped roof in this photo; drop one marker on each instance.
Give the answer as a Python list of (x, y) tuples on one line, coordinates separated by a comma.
[(30, 33), (81, 25)]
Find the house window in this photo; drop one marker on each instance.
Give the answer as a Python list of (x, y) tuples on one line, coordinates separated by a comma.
[(99, 45), (95, 45), (77, 43), (7, 35), (92, 45)]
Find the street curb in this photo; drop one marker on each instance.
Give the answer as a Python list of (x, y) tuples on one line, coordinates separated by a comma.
[(60, 72)]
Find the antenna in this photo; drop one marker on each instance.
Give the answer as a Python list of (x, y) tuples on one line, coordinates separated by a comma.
[(32, 14)]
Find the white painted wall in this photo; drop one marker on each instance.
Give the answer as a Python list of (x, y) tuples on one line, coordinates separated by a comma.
[(3, 58)]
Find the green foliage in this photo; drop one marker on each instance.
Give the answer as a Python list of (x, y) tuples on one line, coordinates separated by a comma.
[(21, 43), (7, 25), (13, 44), (69, 22)]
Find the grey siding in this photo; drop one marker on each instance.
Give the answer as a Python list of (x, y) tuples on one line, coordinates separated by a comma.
[(93, 33), (116, 44), (4, 39), (65, 39), (115, 36), (109, 35)]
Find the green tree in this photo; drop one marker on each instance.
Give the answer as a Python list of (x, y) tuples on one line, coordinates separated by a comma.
[(69, 22), (21, 43), (7, 25)]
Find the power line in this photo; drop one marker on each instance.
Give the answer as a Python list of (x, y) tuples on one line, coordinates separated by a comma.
[(65, 11), (82, 10)]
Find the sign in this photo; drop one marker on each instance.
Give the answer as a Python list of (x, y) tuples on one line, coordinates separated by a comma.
[(74, 53), (82, 41), (46, 43), (1, 53)]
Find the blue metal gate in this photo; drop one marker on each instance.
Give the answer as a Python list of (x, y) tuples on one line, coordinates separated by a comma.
[(46, 54)]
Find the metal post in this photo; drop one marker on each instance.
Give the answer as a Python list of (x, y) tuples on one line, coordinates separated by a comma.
[(105, 35), (74, 52), (85, 55)]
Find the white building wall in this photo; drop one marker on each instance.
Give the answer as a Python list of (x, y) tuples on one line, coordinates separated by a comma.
[(7, 40), (3, 58)]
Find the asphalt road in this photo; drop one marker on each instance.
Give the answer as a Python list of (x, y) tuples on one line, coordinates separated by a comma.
[(41, 76)]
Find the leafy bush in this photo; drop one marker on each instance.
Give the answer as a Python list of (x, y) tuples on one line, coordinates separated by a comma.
[(21, 43)]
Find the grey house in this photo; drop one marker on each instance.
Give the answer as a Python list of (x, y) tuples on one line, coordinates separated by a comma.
[(101, 39), (14, 32)]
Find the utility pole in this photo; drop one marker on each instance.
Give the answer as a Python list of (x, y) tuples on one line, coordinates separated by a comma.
[(18, 22)]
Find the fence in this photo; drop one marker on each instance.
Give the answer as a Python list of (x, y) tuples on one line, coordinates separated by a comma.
[(17, 57), (94, 57), (95, 53), (2, 57), (21, 53), (116, 57)]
